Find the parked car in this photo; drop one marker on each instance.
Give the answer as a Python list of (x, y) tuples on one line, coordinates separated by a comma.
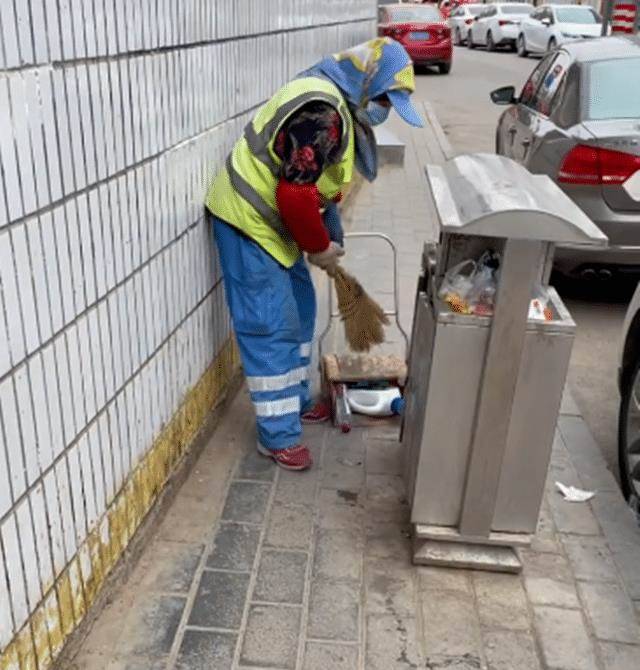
[(629, 416), (552, 25), (498, 25), (461, 19), (577, 120), (422, 30)]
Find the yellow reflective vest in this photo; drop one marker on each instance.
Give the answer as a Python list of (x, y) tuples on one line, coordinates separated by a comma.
[(243, 193)]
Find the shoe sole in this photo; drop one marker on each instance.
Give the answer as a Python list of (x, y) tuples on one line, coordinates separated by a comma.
[(263, 451)]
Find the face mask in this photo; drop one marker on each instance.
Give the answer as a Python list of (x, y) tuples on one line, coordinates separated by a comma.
[(377, 113)]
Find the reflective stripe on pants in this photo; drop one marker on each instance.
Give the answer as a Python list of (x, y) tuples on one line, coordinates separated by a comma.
[(273, 311)]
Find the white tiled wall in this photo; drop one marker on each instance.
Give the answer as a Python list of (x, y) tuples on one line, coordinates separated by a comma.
[(113, 116)]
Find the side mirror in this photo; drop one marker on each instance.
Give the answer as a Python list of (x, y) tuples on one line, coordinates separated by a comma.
[(504, 96), (546, 22)]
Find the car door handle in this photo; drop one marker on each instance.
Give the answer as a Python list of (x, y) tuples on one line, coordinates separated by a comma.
[(512, 130), (526, 143)]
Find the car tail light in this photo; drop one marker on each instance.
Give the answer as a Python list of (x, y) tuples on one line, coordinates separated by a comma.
[(596, 166), (505, 22), (443, 32), (468, 21)]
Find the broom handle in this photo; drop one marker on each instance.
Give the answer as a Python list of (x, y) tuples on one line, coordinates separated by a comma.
[(395, 313)]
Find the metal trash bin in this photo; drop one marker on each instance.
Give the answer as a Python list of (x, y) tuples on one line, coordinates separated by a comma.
[(483, 393)]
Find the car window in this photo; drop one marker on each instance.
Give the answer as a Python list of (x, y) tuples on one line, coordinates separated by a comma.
[(550, 84), (565, 106), (537, 15), (475, 11), (548, 14), (582, 15), (605, 81), (531, 87), (420, 13), (523, 9)]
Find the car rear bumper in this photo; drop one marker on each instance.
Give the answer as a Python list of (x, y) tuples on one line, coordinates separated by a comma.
[(579, 261), (507, 34), (430, 54)]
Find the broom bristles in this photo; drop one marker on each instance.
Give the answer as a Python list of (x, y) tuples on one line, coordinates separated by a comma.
[(362, 316)]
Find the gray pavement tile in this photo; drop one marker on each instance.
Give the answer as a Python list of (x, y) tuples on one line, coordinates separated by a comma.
[(450, 625), (321, 656), (550, 566), (246, 502), (220, 599), (338, 555), (444, 579), (290, 526), (611, 612), (501, 601), (627, 559), (564, 639), (271, 637), (297, 488), (390, 585), (572, 518), (170, 566), (344, 467), (256, 467), (590, 558), (333, 610), (388, 540), (620, 656), (206, 650), (281, 577), (392, 643), (234, 547), (510, 650), (545, 591), (133, 663), (151, 625), (337, 513), (616, 518), (385, 489), (384, 457)]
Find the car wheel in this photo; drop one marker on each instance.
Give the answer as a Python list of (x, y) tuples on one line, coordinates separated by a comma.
[(444, 68), (629, 436), (521, 46), (457, 39), (491, 45), (470, 43), (552, 44)]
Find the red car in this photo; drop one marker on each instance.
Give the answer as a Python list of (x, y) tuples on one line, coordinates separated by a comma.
[(422, 31)]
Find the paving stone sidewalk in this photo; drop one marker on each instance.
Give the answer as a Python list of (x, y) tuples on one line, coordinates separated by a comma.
[(258, 568)]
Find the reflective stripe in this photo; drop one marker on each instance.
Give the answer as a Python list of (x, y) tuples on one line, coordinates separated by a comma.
[(259, 142), (305, 349), (270, 408), (277, 382), (244, 189)]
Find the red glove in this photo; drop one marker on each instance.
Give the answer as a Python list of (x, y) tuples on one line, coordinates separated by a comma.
[(299, 207)]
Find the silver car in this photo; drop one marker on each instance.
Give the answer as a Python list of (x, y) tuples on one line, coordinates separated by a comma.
[(577, 120), (629, 417)]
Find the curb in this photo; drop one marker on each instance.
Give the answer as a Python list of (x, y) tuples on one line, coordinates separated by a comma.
[(438, 131)]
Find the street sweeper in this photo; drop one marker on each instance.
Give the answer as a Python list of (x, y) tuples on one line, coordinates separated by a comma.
[(276, 199)]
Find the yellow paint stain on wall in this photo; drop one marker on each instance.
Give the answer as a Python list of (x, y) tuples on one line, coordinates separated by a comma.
[(78, 586)]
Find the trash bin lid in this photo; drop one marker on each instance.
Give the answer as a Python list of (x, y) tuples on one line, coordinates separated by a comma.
[(493, 196)]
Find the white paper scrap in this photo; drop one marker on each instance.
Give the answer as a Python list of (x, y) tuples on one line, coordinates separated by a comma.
[(573, 494)]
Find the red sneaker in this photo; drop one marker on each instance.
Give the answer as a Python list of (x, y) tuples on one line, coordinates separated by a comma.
[(293, 458), (319, 413)]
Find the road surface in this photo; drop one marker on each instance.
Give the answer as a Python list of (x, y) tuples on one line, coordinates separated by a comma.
[(461, 101)]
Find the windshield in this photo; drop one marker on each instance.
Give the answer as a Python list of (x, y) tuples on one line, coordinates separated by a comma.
[(423, 14), (475, 11), (522, 9), (614, 89), (584, 15)]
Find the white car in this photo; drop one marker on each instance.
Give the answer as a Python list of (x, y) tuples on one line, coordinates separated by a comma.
[(498, 25), (552, 25), (460, 21)]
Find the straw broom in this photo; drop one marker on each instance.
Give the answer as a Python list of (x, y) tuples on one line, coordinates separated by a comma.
[(362, 316)]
